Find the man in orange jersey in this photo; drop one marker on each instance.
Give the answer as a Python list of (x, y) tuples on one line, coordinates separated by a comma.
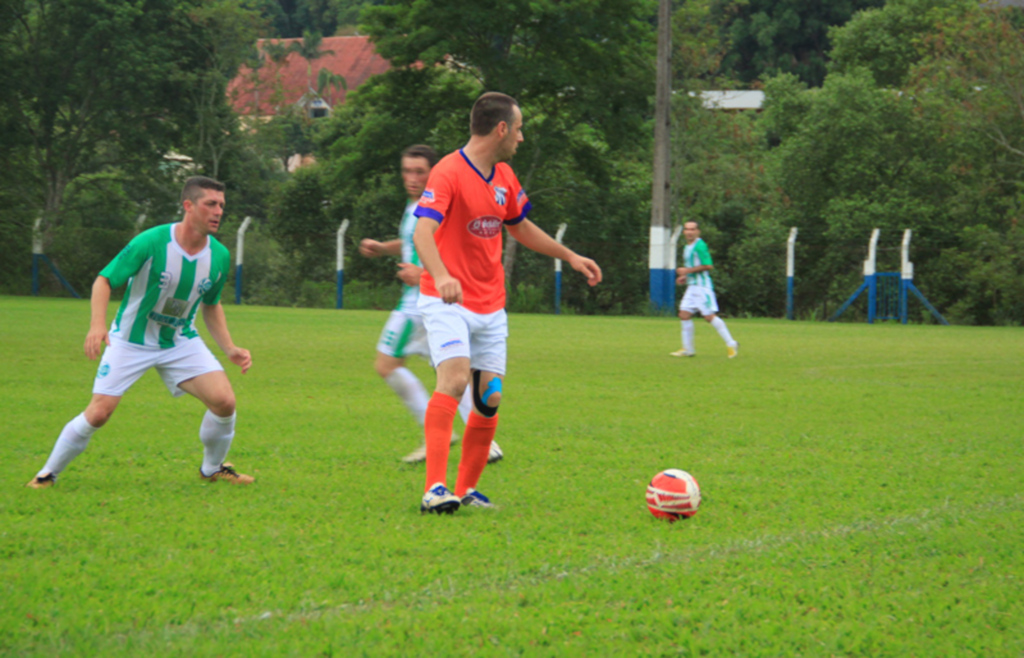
[(470, 195)]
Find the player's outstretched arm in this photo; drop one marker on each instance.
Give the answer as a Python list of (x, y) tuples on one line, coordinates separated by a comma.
[(97, 336), (217, 325), (373, 249), (533, 237)]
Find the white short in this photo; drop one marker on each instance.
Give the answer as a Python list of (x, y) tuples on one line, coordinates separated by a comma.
[(698, 299), (403, 335), (123, 363), (453, 331)]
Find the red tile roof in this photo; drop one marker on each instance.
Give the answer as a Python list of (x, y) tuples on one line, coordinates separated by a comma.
[(354, 58)]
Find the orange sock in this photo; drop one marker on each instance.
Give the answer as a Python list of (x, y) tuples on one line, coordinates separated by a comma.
[(437, 430), (476, 447)]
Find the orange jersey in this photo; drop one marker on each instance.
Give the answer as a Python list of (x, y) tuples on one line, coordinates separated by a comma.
[(471, 210)]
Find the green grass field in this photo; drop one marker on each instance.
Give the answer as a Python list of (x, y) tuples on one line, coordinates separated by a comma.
[(862, 497)]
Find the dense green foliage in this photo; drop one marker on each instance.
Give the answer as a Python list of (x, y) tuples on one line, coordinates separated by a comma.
[(293, 18), (895, 115), (861, 498), (582, 75), (91, 134), (940, 157), (769, 37), (916, 126)]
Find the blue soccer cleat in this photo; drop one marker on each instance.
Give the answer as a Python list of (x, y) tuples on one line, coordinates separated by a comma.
[(474, 498), (438, 500)]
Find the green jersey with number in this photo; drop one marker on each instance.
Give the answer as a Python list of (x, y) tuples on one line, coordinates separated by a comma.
[(697, 254), (410, 294), (165, 287)]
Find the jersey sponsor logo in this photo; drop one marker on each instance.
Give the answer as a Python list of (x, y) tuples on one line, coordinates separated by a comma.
[(485, 227), (519, 197), (499, 195), (204, 286), (428, 196), (174, 307), (165, 280), (167, 320)]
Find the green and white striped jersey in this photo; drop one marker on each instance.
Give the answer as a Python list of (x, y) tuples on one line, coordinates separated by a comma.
[(697, 254), (407, 304), (165, 286)]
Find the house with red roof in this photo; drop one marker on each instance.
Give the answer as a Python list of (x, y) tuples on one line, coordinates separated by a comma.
[(275, 86)]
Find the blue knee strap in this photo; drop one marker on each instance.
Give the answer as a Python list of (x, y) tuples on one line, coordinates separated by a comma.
[(494, 386)]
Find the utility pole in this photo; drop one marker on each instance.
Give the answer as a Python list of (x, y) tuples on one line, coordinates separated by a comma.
[(663, 291)]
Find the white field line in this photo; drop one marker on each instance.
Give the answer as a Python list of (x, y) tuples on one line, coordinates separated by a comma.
[(449, 590)]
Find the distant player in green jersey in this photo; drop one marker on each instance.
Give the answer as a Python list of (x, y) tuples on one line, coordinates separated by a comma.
[(403, 334), (170, 270), (700, 293)]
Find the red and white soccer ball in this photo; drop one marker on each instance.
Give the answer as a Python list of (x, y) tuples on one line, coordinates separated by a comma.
[(673, 494)]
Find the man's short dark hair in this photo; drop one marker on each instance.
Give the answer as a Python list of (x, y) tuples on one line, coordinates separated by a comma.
[(489, 110), (421, 151), (195, 185)]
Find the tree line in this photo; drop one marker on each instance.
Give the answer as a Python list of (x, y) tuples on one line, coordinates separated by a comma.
[(899, 114)]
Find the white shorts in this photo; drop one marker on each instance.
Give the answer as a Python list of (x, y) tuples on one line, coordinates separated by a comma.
[(698, 299), (403, 335), (453, 331), (123, 363)]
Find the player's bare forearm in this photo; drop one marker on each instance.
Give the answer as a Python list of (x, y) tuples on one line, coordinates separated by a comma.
[(426, 248), (373, 248), (534, 238), (447, 286), (683, 271), (217, 325), (97, 336)]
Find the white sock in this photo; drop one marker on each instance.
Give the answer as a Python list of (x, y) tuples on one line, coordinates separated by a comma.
[(466, 403), (723, 331), (216, 433), (688, 336), (72, 441), (410, 389)]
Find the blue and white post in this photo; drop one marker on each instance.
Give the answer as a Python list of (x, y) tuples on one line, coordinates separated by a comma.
[(558, 270), (663, 289), (341, 263), (662, 269), (869, 275), (239, 257), (790, 270)]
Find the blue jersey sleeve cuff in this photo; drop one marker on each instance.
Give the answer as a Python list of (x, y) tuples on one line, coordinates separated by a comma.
[(521, 217), (428, 212)]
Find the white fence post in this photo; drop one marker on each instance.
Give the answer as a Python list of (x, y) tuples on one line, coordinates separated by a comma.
[(558, 270), (239, 257), (790, 270), (341, 263)]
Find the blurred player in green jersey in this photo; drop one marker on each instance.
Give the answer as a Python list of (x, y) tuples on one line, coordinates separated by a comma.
[(403, 334)]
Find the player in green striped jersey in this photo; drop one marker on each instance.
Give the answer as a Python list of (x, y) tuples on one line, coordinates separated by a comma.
[(171, 271), (700, 293), (403, 334)]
